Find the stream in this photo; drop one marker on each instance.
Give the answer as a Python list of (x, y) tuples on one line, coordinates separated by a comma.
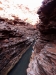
[(21, 66)]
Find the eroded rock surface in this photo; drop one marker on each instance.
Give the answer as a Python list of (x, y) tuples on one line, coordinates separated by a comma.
[(15, 38), (43, 59)]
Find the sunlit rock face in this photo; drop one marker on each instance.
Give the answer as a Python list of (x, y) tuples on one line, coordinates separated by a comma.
[(25, 10), (43, 59), (16, 32), (15, 39)]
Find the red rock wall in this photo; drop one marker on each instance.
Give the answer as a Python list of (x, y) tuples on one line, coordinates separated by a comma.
[(47, 15), (15, 38), (43, 60)]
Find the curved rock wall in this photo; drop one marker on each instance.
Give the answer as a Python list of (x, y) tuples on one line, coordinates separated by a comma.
[(43, 59)]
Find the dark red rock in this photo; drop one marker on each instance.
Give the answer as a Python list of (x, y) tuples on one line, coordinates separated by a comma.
[(47, 14), (44, 60)]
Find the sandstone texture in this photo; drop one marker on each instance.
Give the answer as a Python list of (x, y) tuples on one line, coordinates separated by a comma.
[(43, 59), (16, 37)]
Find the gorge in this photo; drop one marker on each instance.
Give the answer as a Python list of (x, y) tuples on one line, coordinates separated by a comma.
[(17, 37)]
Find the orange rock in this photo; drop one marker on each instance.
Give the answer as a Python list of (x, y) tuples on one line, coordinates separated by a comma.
[(0, 2), (1, 8)]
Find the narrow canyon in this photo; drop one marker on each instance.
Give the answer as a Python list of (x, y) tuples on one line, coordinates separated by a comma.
[(27, 37)]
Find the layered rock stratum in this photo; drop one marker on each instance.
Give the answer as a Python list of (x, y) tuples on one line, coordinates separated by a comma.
[(43, 59), (16, 37), (16, 32)]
